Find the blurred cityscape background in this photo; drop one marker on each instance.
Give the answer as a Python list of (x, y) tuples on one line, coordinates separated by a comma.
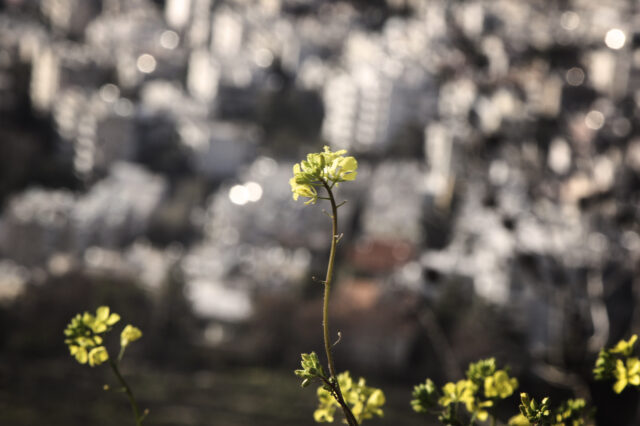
[(145, 152)]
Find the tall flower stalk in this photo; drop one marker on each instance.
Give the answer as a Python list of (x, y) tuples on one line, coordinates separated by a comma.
[(322, 172), (84, 337)]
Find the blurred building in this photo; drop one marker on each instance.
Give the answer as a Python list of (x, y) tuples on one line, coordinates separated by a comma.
[(497, 142)]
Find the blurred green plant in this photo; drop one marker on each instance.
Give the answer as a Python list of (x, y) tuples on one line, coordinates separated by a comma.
[(364, 401), (617, 363), (325, 170), (84, 336), (572, 412), (483, 387)]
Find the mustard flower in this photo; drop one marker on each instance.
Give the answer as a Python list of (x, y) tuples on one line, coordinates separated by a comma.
[(500, 385), (325, 168), (98, 355), (625, 347), (628, 374), (129, 334)]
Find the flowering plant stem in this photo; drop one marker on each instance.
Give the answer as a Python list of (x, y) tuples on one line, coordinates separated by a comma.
[(351, 420), (125, 386)]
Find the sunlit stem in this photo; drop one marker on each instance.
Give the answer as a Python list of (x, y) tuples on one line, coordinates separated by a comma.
[(132, 400), (351, 420), (121, 354)]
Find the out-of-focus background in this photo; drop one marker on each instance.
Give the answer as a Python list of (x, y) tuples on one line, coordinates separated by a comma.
[(145, 152)]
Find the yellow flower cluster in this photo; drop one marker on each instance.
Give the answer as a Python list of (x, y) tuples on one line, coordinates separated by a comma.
[(464, 391), (325, 168), (625, 347), (626, 373), (364, 401), (572, 412), (500, 385), (617, 363), (484, 385), (84, 335)]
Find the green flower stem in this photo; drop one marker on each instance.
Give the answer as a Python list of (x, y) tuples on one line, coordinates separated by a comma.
[(121, 354), (134, 404), (327, 282), (351, 420), (337, 394)]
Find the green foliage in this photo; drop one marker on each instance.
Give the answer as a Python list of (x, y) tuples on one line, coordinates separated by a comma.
[(320, 169), (425, 397), (534, 412), (605, 365), (478, 371), (617, 363), (365, 402), (311, 369), (572, 412)]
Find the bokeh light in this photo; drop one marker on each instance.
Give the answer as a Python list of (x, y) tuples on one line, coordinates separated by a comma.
[(169, 39), (615, 39), (146, 63), (575, 76), (239, 194), (594, 120)]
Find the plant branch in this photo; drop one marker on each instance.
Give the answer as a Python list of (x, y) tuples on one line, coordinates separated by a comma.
[(325, 308), (337, 394), (132, 400)]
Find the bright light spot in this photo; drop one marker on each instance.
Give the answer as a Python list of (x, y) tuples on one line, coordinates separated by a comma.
[(594, 120), (239, 194), (169, 39), (575, 76), (146, 63), (569, 20), (615, 39), (603, 173), (263, 58), (109, 93), (559, 158), (255, 191)]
